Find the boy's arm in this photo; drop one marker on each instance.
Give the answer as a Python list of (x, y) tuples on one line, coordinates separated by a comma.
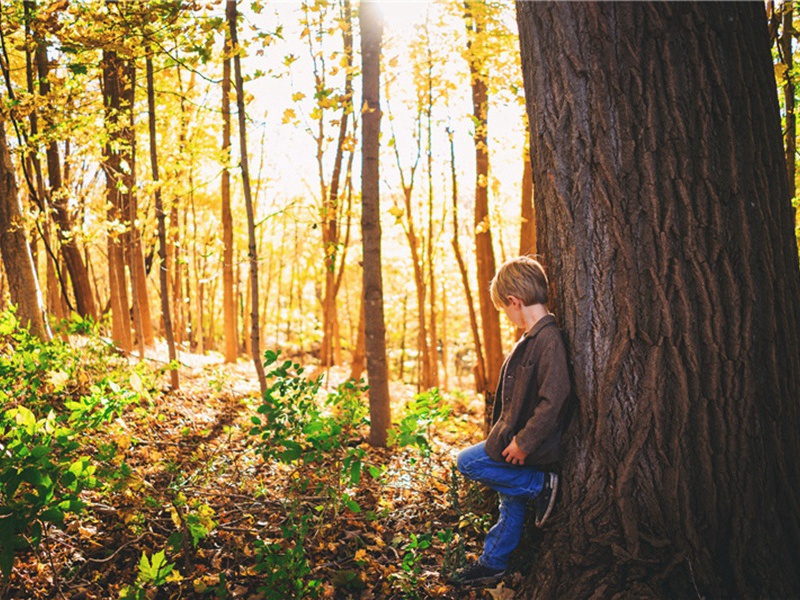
[(554, 388)]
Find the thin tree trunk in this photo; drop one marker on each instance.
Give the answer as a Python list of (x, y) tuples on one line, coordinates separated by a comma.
[(255, 344), (433, 343), (129, 205), (479, 370), (23, 284), (527, 229), (57, 195), (359, 361), (141, 301), (377, 372), (228, 305), (484, 250), (120, 313), (666, 226), (162, 226)]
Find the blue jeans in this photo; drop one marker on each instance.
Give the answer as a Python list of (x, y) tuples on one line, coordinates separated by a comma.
[(516, 485)]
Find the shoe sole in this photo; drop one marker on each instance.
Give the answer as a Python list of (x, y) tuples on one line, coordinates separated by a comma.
[(481, 581), (551, 503)]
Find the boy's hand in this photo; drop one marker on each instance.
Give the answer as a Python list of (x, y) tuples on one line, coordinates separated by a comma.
[(513, 454)]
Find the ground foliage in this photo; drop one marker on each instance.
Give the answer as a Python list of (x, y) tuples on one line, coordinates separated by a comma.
[(211, 492)]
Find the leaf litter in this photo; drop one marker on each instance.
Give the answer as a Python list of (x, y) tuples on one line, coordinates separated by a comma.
[(196, 512)]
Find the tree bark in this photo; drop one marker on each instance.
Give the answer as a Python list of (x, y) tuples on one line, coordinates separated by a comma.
[(255, 344), (228, 302), (484, 250), (23, 285), (331, 353), (163, 275), (135, 253), (120, 311), (665, 224), (371, 25)]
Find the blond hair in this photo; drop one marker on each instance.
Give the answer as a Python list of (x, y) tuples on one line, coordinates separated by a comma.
[(521, 277)]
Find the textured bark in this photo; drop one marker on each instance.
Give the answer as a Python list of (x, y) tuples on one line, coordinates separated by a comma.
[(163, 274), (228, 301), (23, 286), (369, 18), (255, 343), (484, 250), (664, 221)]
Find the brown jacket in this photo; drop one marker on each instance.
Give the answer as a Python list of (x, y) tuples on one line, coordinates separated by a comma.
[(531, 398)]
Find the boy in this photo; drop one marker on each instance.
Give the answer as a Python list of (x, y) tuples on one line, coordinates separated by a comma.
[(523, 446)]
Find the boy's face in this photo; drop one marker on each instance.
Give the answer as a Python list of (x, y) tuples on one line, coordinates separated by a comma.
[(513, 311)]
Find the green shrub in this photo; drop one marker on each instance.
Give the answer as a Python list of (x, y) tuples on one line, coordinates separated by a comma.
[(52, 395), (425, 409)]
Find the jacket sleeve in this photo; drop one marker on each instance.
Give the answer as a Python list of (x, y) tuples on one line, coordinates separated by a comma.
[(553, 389)]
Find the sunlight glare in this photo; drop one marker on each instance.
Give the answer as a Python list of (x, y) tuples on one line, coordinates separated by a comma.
[(400, 16)]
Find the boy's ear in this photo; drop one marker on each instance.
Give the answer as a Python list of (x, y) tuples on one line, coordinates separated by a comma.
[(514, 301)]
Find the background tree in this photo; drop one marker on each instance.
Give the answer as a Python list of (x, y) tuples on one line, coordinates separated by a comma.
[(228, 299), (371, 26), (484, 250), (23, 284), (665, 223), (163, 273), (56, 193), (255, 343)]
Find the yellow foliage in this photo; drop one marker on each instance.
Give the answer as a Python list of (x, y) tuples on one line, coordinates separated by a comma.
[(289, 116)]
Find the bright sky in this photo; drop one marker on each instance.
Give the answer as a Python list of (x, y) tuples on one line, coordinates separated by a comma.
[(272, 96)]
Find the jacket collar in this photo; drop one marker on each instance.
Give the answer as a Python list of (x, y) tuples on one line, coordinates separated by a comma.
[(540, 324)]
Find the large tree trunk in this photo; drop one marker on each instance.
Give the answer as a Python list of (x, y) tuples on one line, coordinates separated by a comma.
[(665, 223), (484, 250), (369, 19), (16, 253)]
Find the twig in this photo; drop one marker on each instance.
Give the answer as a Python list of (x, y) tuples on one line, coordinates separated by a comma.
[(117, 551)]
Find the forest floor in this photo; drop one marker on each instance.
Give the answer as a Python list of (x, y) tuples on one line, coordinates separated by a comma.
[(198, 513)]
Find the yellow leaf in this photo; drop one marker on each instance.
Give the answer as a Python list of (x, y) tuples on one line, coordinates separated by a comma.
[(361, 555), (396, 211), (780, 73), (297, 96), (174, 576), (289, 116)]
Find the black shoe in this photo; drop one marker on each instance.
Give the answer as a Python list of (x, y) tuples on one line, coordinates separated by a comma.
[(476, 573), (546, 499)]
